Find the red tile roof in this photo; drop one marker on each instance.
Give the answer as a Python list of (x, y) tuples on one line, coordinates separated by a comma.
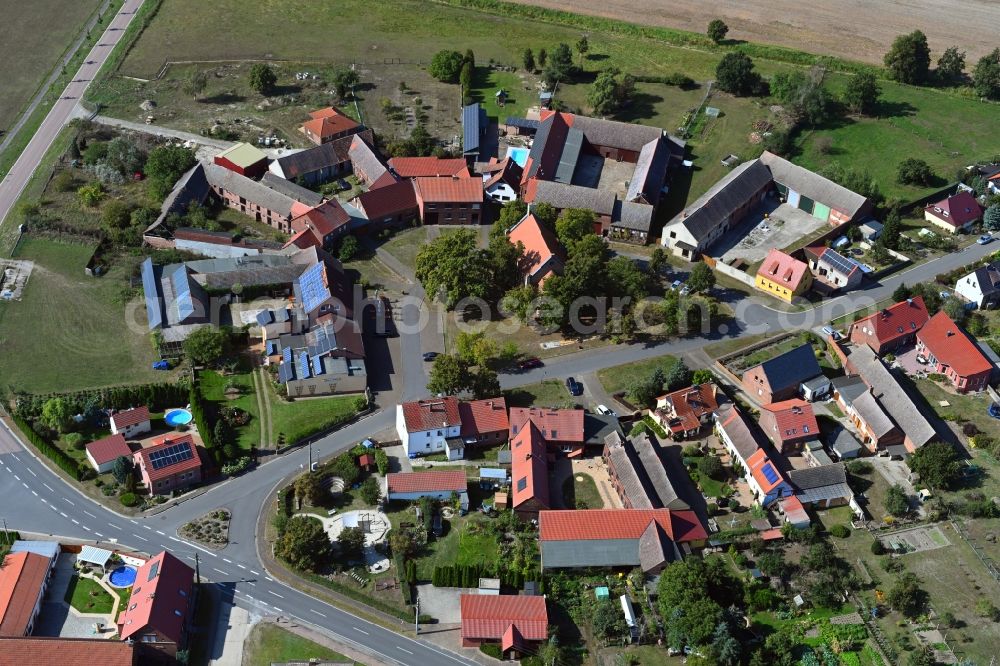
[(605, 524), (757, 463), (793, 419), (328, 122), (951, 346), (529, 468), (483, 416), (386, 179), (107, 449), (486, 616), (322, 220), (130, 417), (160, 598), (899, 320), (688, 405), (416, 167), (540, 243), (506, 170), (421, 415), (21, 579), (782, 269), (957, 210), (449, 190), (41, 651), (427, 482), (389, 200), (192, 463), (555, 425)]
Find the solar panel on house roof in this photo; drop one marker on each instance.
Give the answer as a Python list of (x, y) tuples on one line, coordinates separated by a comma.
[(286, 372), (151, 291), (265, 317), (154, 570), (303, 366), (170, 456), (769, 473), (321, 340), (184, 302), (317, 365), (272, 347), (839, 261), (312, 290), (286, 355)]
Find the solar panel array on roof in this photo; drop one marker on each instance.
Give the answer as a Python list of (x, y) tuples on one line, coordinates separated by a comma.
[(303, 366), (321, 340), (286, 373), (286, 355), (524, 123), (570, 156), (839, 261), (281, 315), (317, 365), (471, 127), (184, 302), (272, 347), (769, 473), (170, 456), (312, 291), (150, 288), (265, 317)]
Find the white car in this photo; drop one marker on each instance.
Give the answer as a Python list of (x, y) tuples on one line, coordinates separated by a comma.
[(604, 411)]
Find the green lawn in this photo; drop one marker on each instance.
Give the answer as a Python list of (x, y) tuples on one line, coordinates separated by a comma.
[(303, 417), (771, 351), (405, 244), (87, 596), (487, 82), (620, 377), (549, 393), (583, 493), (72, 331), (268, 644), (213, 388), (462, 543)]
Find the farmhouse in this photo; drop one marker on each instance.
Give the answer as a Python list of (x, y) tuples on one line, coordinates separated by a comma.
[(789, 423), (562, 429), (950, 352), (24, 577), (981, 287), (437, 485), (865, 414), (954, 214), (158, 612), (518, 623), (781, 377), (326, 359), (637, 473), (686, 411), (543, 255), (390, 205), (130, 422), (783, 276), (449, 424), (861, 360), (832, 271), (890, 328), (617, 538), (320, 227), (529, 472), (103, 453), (501, 179), (243, 159), (321, 163), (725, 205), (329, 124), (449, 200)]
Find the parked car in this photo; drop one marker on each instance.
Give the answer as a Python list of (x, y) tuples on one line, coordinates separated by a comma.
[(676, 285), (343, 184), (603, 410), (574, 387), (530, 363), (430, 356), (984, 239), (829, 332)]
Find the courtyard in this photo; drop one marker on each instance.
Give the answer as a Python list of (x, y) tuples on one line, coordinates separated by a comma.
[(769, 225)]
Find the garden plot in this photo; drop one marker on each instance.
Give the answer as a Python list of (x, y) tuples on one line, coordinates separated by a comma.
[(916, 540)]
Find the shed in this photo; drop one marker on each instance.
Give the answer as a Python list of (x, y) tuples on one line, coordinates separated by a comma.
[(366, 462), (815, 388), (95, 556), (844, 444), (602, 592), (49, 549), (492, 475), (489, 586)]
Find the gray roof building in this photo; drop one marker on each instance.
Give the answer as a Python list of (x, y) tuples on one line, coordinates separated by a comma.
[(813, 185), (633, 215), (474, 124), (650, 173), (820, 484), (612, 133), (291, 190), (317, 158), (789, 369), (190, 188), (844, 444), (366, 161), (561, 195), (259, 193), (737, 429)]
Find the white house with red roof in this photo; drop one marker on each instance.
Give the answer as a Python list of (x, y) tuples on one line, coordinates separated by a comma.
[(617, 538), (956, 213), (157, 614), (130, 422), (448, 424), (409, 486), (172, 463), (102, 453), (950, 352), (517, 622)]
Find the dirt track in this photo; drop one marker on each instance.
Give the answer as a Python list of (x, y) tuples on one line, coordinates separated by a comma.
[(855, 29)]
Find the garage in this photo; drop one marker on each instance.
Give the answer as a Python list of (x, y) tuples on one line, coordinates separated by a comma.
[(821, 212)]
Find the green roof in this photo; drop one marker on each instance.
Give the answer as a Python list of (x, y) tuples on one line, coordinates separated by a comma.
[(243, 155)]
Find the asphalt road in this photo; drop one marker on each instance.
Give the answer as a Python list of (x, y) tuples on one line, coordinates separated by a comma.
[(62, 110)]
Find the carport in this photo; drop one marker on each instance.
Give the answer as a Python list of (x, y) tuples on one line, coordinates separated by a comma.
[(96, 556)]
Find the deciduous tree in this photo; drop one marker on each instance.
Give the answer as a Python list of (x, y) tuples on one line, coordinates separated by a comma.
[(717, 30), (446, 66), (914, 171), (611, 91), (862, 93), (262, 78), (702, 278), (304, 543), (951, 65), (937, 464), (453, 267), (909, 59), (735, 74), (573, 225), (986, 75), (206, 345)]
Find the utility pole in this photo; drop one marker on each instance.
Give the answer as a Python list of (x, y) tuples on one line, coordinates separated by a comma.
[(6, 536), (416, 618), (197, 570), (310, 456)]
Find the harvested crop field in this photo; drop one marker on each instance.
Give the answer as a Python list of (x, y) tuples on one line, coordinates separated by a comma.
[(853, 29)]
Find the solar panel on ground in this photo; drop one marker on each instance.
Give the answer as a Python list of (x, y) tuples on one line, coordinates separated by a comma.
[(171, 456), (769, 473)]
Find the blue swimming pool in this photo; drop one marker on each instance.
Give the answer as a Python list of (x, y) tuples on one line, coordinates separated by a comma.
[(519, 155), (123, 576), (177, 417)]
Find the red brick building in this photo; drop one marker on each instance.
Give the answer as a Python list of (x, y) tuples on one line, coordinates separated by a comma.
[(789, 423), (518, 623), (561, 429), (172, 464), (390, 205), (950, 352), (325, 125), (449, 200), (890, 328)]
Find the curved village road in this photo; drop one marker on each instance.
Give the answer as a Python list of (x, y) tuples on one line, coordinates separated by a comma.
[(63, 110)]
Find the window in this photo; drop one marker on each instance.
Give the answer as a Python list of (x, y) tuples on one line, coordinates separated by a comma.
[(149, 638), (522, 483)]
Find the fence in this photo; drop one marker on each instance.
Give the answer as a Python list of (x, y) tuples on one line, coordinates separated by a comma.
[(731, 271), (987, 561)]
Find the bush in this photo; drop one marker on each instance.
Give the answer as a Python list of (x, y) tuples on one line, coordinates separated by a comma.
[(913, 171), (860, 467), (877, 548), (840, 531), (91, 194), (128, 499), (491, 650)]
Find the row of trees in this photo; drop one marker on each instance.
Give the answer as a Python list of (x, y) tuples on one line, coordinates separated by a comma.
[(909, 61)]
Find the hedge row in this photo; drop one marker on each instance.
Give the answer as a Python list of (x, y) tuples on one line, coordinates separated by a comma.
[(50, 451), (198, 411)]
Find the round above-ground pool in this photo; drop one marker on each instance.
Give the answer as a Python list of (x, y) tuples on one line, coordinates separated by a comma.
[(177, 417), (123, 576)]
